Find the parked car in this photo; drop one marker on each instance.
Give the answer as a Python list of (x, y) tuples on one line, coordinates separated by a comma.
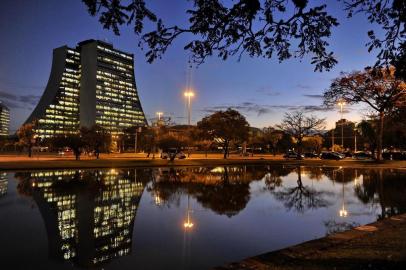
[(173, 153), (362, 155), (310, 155), (331, 155), (292, 154)]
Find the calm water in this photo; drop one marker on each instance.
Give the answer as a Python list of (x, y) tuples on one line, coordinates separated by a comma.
[(183, 218)]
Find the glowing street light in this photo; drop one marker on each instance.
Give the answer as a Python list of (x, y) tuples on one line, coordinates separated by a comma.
[(188, 95), (341, 103), (159, 115), (343, 212)]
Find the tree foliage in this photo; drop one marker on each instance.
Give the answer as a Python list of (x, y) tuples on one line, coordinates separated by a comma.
[(73, 141), (26, 136), (268, 28), (95, 139), (226, 127), (376, 87), (391, 16)]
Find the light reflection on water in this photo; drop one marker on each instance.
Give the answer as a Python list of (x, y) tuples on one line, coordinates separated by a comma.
[(182, 218)]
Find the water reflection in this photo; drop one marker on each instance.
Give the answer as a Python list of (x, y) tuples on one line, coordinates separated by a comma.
[(301, 197), (89, 215), (3, 184), (224, 190)]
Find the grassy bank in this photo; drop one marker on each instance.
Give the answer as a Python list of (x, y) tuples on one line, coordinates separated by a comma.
[(380, 245)]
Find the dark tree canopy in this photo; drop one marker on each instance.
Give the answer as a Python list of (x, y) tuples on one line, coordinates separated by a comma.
[(267, 28), (376, 87), (225, 126)]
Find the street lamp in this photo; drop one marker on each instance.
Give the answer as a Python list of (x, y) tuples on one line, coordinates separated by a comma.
[(159, 115), (341, 103), (355, 139), (189, 94)]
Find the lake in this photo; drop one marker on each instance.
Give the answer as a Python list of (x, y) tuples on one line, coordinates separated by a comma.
[(182, 218)]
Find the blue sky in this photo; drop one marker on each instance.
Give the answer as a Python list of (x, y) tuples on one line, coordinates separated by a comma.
[(261, 89)]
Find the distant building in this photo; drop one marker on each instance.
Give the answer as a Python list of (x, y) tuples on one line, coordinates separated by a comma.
[(92, 84), (343, 133), (4, 120)]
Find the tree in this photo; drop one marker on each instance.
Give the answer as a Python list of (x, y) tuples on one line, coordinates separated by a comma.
[(226, 127), (169, 141), (298, 125), (368, 133), (73, 141), (313, 143), (376, 87), (271, 137), (95, 139), (260, 28), (148, 139), (26, 136)]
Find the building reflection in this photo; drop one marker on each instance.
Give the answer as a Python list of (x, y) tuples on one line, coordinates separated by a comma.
[(89, 215), (3, 184)]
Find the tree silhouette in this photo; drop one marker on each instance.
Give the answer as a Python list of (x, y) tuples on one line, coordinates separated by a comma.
[(225, 127), (298, 125), (26, 136), (268, 28), (376, 87)]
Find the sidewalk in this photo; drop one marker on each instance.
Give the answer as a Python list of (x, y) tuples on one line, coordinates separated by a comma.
[(128, 160), (380, 245)]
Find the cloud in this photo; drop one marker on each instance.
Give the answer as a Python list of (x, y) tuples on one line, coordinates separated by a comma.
[(261, 109), (244, 107), (19, 101), (265, 90), (317, 96), (303, 86), (314, 108)]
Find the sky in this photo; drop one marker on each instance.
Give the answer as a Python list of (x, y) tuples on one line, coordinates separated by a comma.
[(261, 89)]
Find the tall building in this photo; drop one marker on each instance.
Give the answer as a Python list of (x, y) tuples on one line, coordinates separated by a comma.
[(4, 120), (92, 84)]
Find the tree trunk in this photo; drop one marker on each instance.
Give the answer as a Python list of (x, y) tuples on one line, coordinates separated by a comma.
[(30, 150), (299, 148), (225, 149), (380, 136)]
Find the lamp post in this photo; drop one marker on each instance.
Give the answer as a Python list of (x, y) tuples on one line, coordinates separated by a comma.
[(355, 140), (189, 94), (341, 104), (159, 115)]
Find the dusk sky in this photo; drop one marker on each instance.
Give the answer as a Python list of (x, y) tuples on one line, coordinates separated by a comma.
[(259, 88)]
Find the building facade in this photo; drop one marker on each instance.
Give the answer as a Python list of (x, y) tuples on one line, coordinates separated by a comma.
[(4, 120), (92, 84)]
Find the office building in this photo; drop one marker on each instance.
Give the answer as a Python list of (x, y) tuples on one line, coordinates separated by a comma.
[(92, 84), (4, 120)]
